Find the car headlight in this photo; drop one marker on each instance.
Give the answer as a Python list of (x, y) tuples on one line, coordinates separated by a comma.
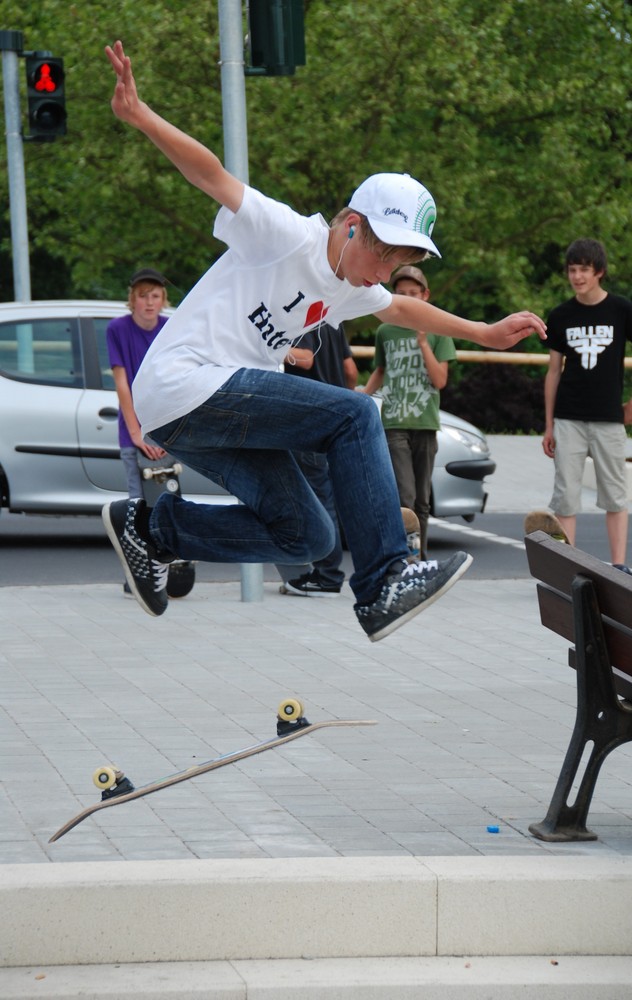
[(476, 444)]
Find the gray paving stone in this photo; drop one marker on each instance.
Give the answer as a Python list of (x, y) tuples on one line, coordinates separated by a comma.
[(474, 714)]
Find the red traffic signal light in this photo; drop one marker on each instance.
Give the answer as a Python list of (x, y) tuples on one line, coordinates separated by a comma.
[(46, 96), (47, 78)]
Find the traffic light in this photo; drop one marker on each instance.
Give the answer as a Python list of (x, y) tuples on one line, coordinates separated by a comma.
[(277, 37), (46, 96)]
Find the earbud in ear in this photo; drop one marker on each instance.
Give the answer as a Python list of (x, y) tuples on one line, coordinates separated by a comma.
[(351, 232)]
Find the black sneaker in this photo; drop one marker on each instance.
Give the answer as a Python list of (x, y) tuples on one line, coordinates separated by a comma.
[(408, 589), (146, 576), (309, 585)]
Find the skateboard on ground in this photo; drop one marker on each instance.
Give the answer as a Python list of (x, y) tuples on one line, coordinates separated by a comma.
[(116, 788), (543, 520), (160, 476)]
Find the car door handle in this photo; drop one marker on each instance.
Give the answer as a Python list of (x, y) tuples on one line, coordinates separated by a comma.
[(109, 413)]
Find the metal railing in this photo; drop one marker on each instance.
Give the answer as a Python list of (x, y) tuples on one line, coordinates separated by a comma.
[(481, 357)]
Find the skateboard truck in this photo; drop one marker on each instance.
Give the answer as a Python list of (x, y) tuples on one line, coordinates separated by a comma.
[(112, 782), (290, 717), (167, 476)]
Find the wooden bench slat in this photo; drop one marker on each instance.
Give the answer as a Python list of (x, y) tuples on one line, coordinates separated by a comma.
[(559, 573), (556, 613)]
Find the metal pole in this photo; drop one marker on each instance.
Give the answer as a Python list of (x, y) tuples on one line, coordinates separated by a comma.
[(11, 42), (231, 40)]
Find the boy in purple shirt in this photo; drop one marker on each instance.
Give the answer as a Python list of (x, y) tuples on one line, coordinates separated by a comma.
[(128, 339)]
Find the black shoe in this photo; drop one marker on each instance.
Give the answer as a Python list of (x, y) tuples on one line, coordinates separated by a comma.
[(146, 576), (408, 589), (309, 585)]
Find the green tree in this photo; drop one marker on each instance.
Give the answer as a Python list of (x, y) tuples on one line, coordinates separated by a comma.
[(515, 114)]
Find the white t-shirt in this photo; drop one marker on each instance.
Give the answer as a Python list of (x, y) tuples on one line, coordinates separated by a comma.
[(273, 284)]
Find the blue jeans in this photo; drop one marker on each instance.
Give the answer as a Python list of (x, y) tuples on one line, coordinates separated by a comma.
[(129, 457), (315, 467), (242, 438)]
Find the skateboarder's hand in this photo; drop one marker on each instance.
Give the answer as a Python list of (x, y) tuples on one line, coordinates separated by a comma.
[(125, 102), (512, 329)]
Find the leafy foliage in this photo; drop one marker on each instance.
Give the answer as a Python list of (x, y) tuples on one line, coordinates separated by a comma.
[(515, 114), (497, 398)]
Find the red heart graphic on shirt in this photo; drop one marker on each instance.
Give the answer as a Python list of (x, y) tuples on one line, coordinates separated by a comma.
[(315, 313)]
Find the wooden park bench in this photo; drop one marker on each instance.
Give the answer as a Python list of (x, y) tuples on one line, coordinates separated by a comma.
[(589, 603)]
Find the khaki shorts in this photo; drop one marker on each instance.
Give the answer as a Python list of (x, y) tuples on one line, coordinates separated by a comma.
[(605, 443)]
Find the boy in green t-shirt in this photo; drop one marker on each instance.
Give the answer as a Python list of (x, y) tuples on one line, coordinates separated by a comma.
[(411, 367)]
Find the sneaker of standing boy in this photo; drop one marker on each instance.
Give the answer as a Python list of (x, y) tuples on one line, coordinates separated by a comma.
[(414, 543), (309, 585), (146, 575), (408, 589)]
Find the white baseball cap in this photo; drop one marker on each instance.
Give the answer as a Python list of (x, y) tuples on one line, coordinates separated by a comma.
[(400, 210)]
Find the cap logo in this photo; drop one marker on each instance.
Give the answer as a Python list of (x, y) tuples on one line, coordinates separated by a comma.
[(426, 215), (396, 211)]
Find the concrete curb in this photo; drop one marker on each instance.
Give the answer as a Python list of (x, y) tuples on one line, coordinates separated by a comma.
[(321, 908), (536, 978)]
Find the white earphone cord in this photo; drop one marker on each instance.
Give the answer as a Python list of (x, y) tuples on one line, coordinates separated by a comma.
[(320, 322)]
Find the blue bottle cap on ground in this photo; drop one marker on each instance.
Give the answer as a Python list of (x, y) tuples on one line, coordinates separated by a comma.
[(493, 829)]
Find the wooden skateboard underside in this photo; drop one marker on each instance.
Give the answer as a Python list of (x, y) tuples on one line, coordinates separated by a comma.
[(210, 765)]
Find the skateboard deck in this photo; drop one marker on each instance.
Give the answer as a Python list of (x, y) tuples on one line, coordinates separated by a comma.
[(291, 725), (543, 520), (159, 476)]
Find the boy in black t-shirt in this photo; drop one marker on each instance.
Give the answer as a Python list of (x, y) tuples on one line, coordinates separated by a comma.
[(330, 360), (582, 395)]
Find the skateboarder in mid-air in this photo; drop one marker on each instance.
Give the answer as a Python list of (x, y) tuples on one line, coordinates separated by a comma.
[(210, 393)]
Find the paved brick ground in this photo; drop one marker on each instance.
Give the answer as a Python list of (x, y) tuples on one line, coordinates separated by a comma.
[(473, 701), (473, 698)]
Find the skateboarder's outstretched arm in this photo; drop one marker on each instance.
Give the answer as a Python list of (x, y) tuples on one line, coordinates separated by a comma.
[(199, 165)]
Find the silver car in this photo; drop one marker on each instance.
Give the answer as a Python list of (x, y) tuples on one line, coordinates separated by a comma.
[(461, 465), (59, 450)]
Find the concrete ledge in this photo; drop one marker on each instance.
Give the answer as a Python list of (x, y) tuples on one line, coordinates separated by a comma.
[(321, 908), (533, 906), (161, 911), (537, 978)]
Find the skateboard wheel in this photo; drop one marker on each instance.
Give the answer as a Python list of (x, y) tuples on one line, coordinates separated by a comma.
[(177, 469), (290, 710), (104, 777), (148, 473), (172, 485)]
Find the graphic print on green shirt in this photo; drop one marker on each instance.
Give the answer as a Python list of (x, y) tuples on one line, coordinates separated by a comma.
[(409, 400)]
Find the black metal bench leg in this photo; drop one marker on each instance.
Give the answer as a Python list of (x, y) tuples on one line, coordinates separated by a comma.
[(601, 720)]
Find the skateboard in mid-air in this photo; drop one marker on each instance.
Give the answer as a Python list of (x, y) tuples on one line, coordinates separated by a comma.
[(160, 476), (543, 520), (116, 788)]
